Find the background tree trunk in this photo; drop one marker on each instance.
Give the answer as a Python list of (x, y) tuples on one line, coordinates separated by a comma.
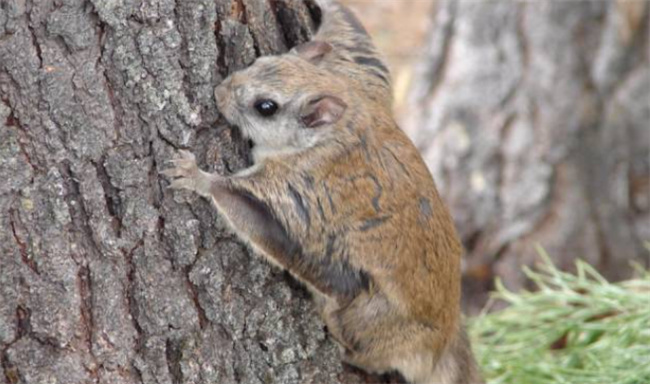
[(533, 117), (105, 276)]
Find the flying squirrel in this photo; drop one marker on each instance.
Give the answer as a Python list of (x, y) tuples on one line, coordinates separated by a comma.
[(340, 197)]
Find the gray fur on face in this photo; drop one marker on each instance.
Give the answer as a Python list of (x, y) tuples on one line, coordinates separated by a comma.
[(274, 78)]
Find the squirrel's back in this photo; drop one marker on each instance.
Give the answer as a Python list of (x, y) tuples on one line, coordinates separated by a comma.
[(354, 54)]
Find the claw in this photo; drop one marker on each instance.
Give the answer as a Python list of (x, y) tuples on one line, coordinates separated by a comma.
[(185, 164), (172, 163), (172, 172), (187, 155), (186, 160), (184, 156), (183, 168), (181, 184)]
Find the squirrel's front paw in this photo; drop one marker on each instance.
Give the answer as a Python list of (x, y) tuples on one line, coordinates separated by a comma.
[(187, 175), (185, 172)]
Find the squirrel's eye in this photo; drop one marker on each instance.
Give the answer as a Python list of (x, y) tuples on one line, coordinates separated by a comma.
[(266, 107)]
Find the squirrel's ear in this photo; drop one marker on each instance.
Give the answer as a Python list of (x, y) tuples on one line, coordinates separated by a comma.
[(322, 110), (312, 51)]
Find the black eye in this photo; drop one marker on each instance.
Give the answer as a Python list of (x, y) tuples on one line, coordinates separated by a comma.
[(266, 107)]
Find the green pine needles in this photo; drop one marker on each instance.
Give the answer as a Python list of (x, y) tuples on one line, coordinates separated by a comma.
[(575, 329)]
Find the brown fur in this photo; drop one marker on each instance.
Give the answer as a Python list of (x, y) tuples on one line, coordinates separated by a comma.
[(355, 56), (345, 204)]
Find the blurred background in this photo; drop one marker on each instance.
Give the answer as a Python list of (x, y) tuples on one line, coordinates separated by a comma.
[(399, 28), (534, 118)]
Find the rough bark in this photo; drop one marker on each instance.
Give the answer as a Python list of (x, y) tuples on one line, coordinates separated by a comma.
[(533, 117), (106, 276)]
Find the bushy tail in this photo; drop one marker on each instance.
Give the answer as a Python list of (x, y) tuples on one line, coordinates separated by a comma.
[(457, 364), (343, 30)]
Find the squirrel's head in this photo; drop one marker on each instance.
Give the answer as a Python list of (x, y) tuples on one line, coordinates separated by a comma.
[(285, 103)]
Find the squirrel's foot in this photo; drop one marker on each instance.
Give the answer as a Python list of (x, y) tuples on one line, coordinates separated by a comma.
[(186, 175)]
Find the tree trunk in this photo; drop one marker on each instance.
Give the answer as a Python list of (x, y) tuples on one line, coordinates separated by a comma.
[(106, 276), (533, 117)]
